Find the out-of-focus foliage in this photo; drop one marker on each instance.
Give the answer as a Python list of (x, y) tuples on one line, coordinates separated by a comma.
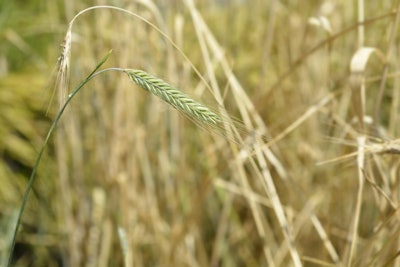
[(128, 180)]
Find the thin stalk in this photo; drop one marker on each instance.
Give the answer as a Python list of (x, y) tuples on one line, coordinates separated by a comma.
[(53, 126)]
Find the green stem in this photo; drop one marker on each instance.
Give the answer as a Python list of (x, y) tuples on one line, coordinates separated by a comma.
[(49, 134)]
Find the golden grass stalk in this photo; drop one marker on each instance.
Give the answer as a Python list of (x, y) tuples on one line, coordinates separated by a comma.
[(174, 97), (357, 213)]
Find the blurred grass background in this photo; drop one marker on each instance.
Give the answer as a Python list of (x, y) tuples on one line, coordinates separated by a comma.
[(129, 181)]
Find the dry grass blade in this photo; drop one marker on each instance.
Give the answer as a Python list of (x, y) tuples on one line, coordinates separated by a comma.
[(358, 66), (174, 97), (355, 227)]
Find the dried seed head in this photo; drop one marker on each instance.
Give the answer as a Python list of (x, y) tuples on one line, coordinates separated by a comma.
[(63, 71)]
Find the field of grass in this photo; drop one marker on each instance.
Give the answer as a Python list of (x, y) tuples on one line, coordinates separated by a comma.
[(267, 133)]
